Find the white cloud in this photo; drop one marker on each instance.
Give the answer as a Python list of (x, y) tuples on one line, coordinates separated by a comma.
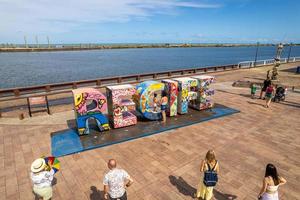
[(56, 16)]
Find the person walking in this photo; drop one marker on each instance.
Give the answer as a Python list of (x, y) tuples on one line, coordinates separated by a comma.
[(210, 167), (253, 90), (266, 84), (115, 182), (42, 178), (163, 106), (271, 182), (269, 94)]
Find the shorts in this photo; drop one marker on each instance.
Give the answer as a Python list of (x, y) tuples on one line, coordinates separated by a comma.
[(163, 107), (268, 95), (45, 192)]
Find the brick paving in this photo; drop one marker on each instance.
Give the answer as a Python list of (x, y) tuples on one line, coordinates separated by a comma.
[(166, 166)]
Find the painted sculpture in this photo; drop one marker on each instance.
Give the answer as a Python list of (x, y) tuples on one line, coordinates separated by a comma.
[(120, 105), (204, 92), (89, 104), (147, 96), (186, 94), (171, 88)]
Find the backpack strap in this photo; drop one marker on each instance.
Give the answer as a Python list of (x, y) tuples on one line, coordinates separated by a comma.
[(215, 166), (208, 166)]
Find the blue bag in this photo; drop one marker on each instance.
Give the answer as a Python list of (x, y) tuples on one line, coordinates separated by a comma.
[(210, 176)]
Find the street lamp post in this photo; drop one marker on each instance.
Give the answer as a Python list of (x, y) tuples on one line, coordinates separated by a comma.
[(288, 59), (256, 54)]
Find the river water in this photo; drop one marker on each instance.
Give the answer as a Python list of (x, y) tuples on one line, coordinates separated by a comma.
[(34, 68)]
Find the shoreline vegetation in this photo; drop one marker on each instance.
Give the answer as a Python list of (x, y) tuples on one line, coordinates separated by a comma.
[(81, 47)]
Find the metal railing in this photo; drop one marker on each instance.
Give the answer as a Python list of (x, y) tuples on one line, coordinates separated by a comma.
[(58, 88), (258, 63)]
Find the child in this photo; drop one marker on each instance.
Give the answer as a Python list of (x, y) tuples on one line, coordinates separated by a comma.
[(253, 90), (269, 95)]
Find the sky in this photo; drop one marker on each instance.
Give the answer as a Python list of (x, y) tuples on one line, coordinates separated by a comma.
[(150, 21)]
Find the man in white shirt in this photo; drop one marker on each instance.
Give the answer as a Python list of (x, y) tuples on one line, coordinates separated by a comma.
[(115, 182)]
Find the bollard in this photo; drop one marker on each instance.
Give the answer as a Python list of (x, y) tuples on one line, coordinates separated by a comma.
[(298, 70), (21, 116)]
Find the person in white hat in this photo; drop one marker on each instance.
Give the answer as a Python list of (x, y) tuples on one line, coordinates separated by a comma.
[(42, 179)]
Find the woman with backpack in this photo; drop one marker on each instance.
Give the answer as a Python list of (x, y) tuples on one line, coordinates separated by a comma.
[(271, 182), (210, 167)]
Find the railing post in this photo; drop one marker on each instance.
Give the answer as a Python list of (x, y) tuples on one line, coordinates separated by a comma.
[(169, 73), (98, 82), (48, 88), (138, 78), (119, 79), (74, 86), (264, 62), (294, 60), (205, 69), (17, 92), (154, 76)]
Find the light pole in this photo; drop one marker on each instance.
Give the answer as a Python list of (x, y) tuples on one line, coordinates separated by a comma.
[(257, 44), (291, 44), (37, 41), (48, 42), (25, 40)]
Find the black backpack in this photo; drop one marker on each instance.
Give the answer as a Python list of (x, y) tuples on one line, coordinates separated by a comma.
[(210, 176)]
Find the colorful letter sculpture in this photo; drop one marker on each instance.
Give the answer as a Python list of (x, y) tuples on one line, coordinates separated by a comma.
[(204, 92), (145, 99), (171, 88), (120, 105), (90, 103), (185, 94)]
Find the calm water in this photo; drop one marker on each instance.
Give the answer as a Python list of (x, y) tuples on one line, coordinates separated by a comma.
[(25, 69)]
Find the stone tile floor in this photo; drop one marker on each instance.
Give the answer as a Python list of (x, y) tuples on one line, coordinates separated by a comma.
[(166, 166)]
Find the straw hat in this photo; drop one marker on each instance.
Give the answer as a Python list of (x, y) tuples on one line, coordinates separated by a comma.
[(38, 165)]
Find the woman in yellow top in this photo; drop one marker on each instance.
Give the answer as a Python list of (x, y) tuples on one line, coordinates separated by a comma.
[(209, 162)]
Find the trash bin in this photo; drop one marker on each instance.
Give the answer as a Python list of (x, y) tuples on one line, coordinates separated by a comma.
[(298, 70)]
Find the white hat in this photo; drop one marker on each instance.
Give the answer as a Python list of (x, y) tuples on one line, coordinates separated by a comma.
[(38, 165)]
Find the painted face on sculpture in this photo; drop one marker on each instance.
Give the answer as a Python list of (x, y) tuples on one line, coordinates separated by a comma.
[(80, 100)]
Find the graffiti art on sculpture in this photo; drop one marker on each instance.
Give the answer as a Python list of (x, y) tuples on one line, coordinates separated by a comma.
[(147, 98), (171, 88), (90, 104), (204, 92), (120, 105), (187, 93)]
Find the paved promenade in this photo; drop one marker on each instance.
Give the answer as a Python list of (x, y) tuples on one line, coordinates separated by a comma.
[(166, 166)]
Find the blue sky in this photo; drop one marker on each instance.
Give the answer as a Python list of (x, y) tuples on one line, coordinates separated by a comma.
[(150, 21)]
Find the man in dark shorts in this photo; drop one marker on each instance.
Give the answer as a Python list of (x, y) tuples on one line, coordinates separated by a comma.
[(266, 84)]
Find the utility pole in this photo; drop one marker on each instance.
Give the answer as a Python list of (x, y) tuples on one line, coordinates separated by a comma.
[(48, 42), (291, 44), (25, 41), (37, 42), (257, 44)]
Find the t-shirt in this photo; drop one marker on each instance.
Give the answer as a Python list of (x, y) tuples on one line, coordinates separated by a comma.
[(42, 179), (253, 88), (115, 179), (269, 90), (267, 83)]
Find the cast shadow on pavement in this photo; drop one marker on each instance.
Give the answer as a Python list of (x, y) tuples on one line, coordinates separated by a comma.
[(186, 189), (96, 194)]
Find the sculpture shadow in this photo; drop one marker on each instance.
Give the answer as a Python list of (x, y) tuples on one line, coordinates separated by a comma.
[(96, 194), (182, 186), (254, 103), (244, 95), (221, 196), (71, 123)]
